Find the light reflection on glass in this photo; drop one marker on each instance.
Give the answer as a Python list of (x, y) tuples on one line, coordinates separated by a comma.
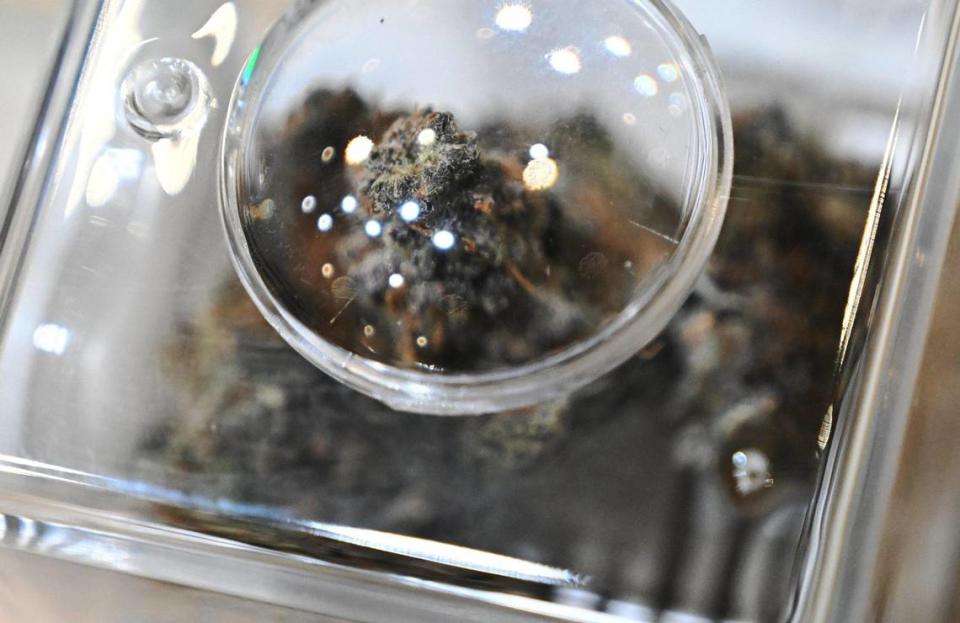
[(396, 280), (646, 85), (541, 174), (110, 168), (427, 137), (373, 229), (103, 182), (678, 104), (251, 66), (565, 60), (444, 240), (349, 204), (174, 161), (325, 222), (539, 151), (309, 204), (444, 553), (222, 26), (514, 18), (410, 211), (51, 338), (668, 72), (618, 46), (358, 150), (751, 471)]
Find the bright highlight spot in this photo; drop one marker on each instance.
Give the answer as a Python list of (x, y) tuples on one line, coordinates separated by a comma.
[(427, 137), (325, 222), (629, 118), (410, 211), (174, 161), (678, 103), (349, 204), (668, 72), (646, 85), (396, 280), (358, 150), (309, 204), (222, 27), (51, 338), (514, 17), (539, 151), (618, 46), (251, 65), (541, 174), (444, 240), (103, 182), (565, 60), (751, 471), (108, 171), (373, 229)]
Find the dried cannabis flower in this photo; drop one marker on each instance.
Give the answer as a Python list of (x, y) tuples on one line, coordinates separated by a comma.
[(472, 247), (447, 249)]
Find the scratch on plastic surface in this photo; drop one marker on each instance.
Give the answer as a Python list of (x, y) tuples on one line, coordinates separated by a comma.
[(343, 309), (869, 239), (654, 232)]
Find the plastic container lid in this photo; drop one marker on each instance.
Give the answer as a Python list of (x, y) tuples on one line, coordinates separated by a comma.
[(462, 207)]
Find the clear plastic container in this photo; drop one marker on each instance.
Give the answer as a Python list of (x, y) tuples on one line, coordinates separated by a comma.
[(153, 422), (467, 208)]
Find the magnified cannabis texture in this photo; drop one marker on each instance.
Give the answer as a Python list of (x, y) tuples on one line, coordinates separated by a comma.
[(678, 481), (422, 247)]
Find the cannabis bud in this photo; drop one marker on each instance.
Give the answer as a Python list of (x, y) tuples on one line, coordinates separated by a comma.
[(417, 244)]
